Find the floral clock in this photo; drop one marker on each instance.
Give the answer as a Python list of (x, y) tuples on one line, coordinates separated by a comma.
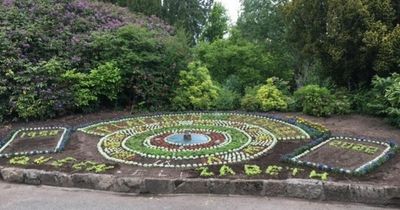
[(213, 138)]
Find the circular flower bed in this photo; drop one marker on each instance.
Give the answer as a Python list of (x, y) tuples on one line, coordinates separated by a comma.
[(218, 138)]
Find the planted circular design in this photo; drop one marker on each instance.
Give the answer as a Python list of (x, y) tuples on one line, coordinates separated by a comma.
[(217, 138)]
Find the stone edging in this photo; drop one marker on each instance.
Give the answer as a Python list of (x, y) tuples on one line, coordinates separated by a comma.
[(294, 188)]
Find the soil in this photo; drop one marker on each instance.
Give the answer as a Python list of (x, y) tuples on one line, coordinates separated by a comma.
[(27, 144), (340, 157), (83, 147)]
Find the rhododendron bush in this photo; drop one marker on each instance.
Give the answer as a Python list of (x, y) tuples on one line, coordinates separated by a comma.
[(48, 49)]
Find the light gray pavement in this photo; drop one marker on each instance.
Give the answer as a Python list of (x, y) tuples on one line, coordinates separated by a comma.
[(42, 198)]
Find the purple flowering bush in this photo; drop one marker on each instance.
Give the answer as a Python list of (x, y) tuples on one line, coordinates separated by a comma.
[(43, 41)]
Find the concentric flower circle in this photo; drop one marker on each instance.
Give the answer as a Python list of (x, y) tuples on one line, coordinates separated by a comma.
[(218, 138)]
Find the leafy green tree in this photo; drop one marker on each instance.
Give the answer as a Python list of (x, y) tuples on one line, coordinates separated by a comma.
[(217, 24), (396, 6), (147, 7), (190, 15), (196, 89), (263, 22), (353, 39), (240, 60)]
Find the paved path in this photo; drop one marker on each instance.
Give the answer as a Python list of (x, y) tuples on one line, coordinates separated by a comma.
[(42, 198)]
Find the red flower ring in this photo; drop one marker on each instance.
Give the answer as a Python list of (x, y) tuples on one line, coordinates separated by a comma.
[(215, 140)]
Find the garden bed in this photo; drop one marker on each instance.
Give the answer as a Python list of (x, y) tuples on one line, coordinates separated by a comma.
[(82, 147)]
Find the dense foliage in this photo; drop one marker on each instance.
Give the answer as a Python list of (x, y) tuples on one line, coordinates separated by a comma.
[(385, 98), (189, 15), (262, 22), (314, 100), (238, 62), (196, 90), (270, 98), (61, 56), (353, 39), (149, 66)]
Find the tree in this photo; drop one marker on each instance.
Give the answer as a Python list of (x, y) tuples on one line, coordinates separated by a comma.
[(147, 7), (196, 89), (263, 22), (190, 15), (239, 62), (217, 24), (396, 6), (346, 36)]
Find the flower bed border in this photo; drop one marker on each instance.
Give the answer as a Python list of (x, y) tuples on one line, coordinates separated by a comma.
[(61, 143), (387, 154)]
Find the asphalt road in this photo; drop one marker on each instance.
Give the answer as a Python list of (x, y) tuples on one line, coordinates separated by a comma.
[(33, 197)]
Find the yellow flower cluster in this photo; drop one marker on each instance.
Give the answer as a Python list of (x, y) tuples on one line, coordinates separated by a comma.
[(316, 126)]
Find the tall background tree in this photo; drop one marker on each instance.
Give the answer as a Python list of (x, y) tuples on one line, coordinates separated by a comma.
[(188, 15), (353, 39), (191, 15), (147, 7), (217, 24), (262, 22)]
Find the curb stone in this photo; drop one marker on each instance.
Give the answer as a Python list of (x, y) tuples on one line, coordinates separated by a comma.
[(337, 191), (306, 189), (191, 186), (220, 186), (294, 188), (158, 186), (128, 185), (248, 187), (274, 188), (55, 179)]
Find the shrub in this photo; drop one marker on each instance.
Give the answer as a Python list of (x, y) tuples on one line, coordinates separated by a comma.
[(106, 80), (359, 99), (385, 98), (270, 98), (47, 44), (249, 101), (196, 90), (39, 91), (102, 82), (314, 100), (80, 88), (378, 103), (149, 67), (341, 102), (227, 99)]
